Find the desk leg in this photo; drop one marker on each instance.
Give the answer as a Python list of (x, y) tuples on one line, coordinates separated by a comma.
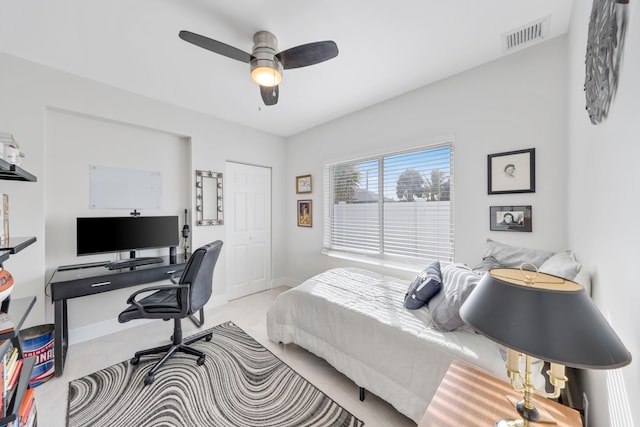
[(61, 335)]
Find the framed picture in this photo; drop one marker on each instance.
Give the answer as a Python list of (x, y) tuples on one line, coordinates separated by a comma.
[(304, 213), (512, 172), (510, 218), (303, 184)]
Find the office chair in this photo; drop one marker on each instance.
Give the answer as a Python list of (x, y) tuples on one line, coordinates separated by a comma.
[(176, 301)]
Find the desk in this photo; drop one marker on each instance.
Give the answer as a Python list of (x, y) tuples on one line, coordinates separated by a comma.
[(468, 397), (78, 282)]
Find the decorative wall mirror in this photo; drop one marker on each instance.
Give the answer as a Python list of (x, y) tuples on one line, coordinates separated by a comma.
[(208, 198)]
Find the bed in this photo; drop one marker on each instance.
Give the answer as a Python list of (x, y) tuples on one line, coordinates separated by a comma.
[(358, 322)]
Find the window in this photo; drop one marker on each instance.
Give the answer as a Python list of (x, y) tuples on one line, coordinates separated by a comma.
[(396, 207)]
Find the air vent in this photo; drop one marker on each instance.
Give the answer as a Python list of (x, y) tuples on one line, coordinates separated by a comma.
[(527, 35)]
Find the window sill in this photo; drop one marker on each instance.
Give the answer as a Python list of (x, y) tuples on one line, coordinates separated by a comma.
[(412, 268)]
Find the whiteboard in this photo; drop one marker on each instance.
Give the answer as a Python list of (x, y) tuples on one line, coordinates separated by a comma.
[(119, 188)]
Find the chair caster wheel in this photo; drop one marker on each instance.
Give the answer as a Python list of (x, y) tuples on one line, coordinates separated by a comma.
[(149, 379), (134, 361), (200, 361), (208, 337)]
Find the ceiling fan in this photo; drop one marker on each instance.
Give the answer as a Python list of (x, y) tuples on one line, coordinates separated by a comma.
[(265, 60)]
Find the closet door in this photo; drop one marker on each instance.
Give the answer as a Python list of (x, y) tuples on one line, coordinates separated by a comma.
[(248, 229)]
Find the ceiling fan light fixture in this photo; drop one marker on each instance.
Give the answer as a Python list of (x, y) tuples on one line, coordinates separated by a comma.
[(265, 60), (266, 75)]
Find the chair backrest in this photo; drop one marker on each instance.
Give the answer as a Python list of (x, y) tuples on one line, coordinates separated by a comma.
[(199, 273)]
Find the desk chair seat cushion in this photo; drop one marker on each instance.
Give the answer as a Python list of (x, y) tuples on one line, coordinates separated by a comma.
[(163, 303)]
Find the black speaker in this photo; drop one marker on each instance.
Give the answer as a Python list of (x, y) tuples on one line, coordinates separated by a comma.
[(173, 255)]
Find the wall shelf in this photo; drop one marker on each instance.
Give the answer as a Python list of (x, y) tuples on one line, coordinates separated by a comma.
[(16, 244), (16, 173)]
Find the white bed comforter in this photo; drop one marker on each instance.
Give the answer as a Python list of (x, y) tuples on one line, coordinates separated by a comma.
[(356, 321)]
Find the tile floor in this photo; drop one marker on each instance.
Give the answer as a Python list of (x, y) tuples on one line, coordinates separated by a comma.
[(248, 313)]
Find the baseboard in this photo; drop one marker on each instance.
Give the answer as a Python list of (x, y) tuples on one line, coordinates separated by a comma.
[(100, 329), (284, 281), (111, 326)]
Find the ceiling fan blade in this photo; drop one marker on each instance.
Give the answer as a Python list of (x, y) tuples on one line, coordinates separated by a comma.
[(308, 54), (270, 94), (215, 46)]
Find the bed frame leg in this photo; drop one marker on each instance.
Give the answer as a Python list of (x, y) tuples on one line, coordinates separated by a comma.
[(361, 394)]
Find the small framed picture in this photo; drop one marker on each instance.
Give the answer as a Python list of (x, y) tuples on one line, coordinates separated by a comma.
[(304, 213), (512, 172), (303, 184), (510, 218)]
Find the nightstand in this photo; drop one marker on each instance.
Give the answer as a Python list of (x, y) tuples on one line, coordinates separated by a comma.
[(468, 397)]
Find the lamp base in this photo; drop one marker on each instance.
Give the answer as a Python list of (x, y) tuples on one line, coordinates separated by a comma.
[(529, 415)]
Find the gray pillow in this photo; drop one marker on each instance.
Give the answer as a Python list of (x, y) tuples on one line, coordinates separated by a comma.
[(488, 263), (423, 287), (444, 308), (514, 256), (562, 264)]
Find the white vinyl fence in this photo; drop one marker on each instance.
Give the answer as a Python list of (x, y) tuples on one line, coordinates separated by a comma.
[(420, 229)]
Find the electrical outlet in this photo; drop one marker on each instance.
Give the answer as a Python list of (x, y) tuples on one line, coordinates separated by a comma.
[(585, 409)]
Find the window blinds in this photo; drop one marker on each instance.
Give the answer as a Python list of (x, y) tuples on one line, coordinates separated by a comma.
[(396, 206)]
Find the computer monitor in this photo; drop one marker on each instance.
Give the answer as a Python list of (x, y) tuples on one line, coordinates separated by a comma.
[(97, 235)]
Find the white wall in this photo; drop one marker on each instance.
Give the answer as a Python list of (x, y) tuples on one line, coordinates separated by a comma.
[(602, 214), (78, 141), (514, 103), (30, 94)]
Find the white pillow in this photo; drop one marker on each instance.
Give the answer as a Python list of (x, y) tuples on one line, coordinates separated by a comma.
[(514, 256), (562, 264), (444, 308)]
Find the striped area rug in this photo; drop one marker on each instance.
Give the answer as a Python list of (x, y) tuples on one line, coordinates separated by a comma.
[(241, 384)]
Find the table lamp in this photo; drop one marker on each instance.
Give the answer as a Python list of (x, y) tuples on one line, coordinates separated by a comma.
[(546, 317)]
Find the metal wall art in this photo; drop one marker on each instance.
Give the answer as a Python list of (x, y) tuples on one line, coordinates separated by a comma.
[(604, 52)]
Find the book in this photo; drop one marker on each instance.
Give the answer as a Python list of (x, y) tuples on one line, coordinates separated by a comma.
[(32, 419), (5, 218), (15, 374), (6, 323), (10, 364), (25, 406), (3, 410)]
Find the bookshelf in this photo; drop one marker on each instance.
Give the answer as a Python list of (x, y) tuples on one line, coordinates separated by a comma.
[(12, 172), (13, 313), (18, 311)]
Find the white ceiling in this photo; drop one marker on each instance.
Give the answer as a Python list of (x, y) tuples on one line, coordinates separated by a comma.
[(386, 48)]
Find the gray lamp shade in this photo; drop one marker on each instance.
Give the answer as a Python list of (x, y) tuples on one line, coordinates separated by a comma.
[(554, 319)]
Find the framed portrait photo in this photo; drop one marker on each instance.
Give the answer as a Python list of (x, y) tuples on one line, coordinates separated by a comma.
[(510, 218), (304, 213), (512, 172), (303, 184)]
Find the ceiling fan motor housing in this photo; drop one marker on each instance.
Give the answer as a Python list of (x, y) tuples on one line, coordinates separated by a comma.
[(266, 69)]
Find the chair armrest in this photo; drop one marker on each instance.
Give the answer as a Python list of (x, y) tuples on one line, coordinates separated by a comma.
[(172, 277), (182, 286)]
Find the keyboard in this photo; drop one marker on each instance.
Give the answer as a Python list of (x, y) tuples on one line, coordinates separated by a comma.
[(133, 262), (80, 266)]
